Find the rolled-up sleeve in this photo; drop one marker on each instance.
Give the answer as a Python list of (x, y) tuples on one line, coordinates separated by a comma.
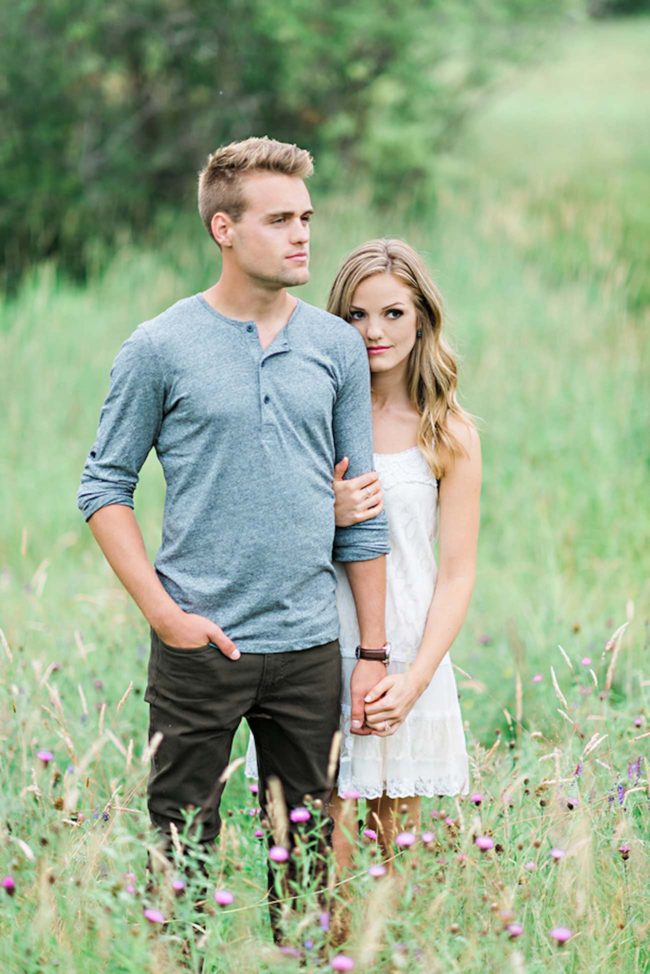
[(353, 439), (128, 427)]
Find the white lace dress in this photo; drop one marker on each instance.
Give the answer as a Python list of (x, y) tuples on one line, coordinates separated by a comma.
[(427, 754)]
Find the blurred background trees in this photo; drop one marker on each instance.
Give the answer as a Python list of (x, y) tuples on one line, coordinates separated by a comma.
[(108, 110)]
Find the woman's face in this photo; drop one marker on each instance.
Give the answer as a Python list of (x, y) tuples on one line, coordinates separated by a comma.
[(384, 312)]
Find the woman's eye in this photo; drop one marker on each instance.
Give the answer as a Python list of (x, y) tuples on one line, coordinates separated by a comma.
[(356, 315), (394, 314)]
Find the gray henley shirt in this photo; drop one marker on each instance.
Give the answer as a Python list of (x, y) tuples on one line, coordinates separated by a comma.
[(247, 439)]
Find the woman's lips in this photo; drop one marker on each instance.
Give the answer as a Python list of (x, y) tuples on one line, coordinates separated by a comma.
[(378, 349)]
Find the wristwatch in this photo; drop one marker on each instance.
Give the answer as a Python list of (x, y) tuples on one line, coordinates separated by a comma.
[(381, 655)]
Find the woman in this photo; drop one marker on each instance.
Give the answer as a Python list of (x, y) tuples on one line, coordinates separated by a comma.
[(427, 458)]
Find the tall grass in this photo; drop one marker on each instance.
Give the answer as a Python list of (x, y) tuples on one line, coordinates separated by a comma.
[(546, 305)]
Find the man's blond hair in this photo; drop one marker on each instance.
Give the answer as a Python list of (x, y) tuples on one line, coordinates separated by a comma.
[(220, 182)]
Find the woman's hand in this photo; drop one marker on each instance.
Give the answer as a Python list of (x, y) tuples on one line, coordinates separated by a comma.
[(389, 702), (358, 499)]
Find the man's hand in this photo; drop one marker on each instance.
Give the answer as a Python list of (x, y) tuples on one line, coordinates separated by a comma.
[(389, 701), (185, 630), (366, 675)]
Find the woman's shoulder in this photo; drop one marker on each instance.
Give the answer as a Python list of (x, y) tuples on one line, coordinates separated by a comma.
[(465, 445)]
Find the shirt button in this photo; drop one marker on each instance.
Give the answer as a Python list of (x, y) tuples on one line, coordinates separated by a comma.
[(267, 399), (249, 328)]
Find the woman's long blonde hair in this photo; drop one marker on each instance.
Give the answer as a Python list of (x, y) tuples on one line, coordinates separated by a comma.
[(432, 373)]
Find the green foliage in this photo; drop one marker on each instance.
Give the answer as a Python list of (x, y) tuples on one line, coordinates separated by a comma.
[(108, 110)]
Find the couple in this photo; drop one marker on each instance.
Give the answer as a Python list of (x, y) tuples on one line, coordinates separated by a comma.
[(259, 408)]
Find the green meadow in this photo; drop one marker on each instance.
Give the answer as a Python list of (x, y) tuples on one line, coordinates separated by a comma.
[(538, 236)]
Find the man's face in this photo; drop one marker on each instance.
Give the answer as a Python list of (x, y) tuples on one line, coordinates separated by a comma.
[(270, 243)]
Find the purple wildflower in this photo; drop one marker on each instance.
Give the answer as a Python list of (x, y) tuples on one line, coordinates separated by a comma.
[(178, 885), (254, 789), (530, 866), (620, 793), (342, 963), (377, 870), (370, 834), (299, 815), (514, 930), (538, 678), (579, 769), (352, 794), (404, 840), (624, 851), (557, 854), (223, 897), (278, 853), (154, 916), (324, 921), (638, 721), (8, 884), (45, 757), (634, 770), (476, 798), (560, 935), (484, 842), (259, 833), (428, 837), (586, 661)]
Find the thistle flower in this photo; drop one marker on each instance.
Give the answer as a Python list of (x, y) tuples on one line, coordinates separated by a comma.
[(484, 842), (370, 834), (560, 935), (153, 916), (377, 870), (223, 897), (476, 798), (428, 837), (514, 930), (253, 788), (299, 815), (8, 884), (557, 854), (45, 757), (624, 851), (324, 921), (638, 721), (278, 853), (530, 866), (259, 833), (404, 840), (342, 963), (586, 661), (178, 885), (538, 678)]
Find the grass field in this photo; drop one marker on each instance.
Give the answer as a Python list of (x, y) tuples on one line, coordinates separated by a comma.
[(537, 241)]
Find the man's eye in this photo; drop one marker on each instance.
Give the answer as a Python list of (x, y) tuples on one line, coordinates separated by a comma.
[(279, 219)]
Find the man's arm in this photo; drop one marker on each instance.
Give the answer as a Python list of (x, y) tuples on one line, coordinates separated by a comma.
[(118, 535), (128, 427), (361, 547)]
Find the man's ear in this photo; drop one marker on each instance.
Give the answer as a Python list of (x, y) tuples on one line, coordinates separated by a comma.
[(221, 226)]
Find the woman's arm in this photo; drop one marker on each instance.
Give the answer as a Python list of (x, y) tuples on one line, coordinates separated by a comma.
[(460, 490)]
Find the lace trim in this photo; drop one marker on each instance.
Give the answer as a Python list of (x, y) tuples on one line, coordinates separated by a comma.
[(409, 466)]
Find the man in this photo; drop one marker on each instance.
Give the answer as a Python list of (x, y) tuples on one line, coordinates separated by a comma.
[(249, 397)]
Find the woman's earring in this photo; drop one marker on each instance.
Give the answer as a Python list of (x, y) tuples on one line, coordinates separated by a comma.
[(418, 333)]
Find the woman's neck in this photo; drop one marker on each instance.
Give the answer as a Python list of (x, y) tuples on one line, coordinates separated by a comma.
[(389, 390)]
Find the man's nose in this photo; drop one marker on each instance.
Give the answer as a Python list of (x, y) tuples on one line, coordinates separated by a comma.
[(300, 232)]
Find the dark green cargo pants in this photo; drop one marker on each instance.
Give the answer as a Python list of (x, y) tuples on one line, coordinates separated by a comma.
[(197, 699)]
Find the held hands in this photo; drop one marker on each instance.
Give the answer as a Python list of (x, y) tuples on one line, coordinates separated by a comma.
[(389, 701), (185, 630), (358, 499)]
